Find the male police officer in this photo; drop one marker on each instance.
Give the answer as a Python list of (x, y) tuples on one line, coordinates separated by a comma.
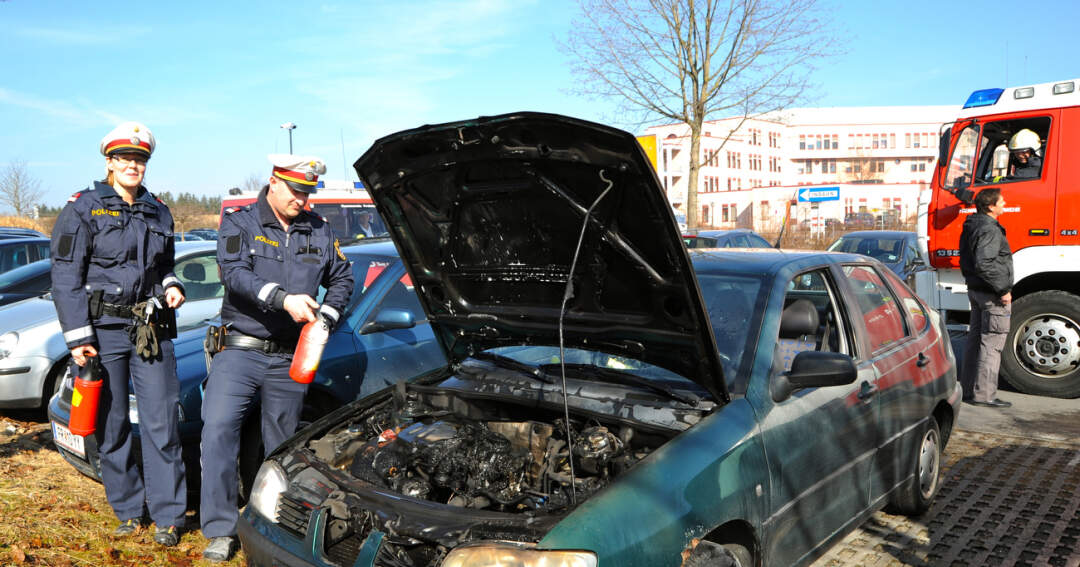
[(273, 255)]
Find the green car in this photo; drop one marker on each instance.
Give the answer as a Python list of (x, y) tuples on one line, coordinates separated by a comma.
[(610, 398)]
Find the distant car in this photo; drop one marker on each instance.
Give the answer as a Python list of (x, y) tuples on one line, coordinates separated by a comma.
[(384, 336), (7, 232), (733, 238), (897, 249), (15, 252), (31, 280), (204, 233), (753, 409), (862, 220), (186, 236), (34, 356)]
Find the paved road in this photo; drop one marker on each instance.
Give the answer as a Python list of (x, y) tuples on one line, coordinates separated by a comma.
[(1010, 495)]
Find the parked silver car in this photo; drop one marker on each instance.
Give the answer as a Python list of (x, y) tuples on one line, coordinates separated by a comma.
[(33, 355)]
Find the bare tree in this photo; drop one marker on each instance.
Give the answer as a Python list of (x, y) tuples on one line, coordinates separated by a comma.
[(19, 190), (253, 182), (686, 60)]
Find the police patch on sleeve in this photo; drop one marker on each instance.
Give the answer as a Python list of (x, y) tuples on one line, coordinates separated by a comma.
[(63, 248), (232, 244), (340, 254)]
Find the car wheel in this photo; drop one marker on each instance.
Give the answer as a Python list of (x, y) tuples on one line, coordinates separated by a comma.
[(53, 381), (915, 496), (1042, 351), (709, 554)]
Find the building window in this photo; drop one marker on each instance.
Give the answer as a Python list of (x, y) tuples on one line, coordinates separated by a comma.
[(907, 140), (892, 140), (835, 141), (802, 142), (832, 167)]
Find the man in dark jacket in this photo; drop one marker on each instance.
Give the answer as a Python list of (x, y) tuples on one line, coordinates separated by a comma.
[(986, 262)]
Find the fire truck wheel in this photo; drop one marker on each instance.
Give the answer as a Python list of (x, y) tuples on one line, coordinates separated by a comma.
[(1042, 352)]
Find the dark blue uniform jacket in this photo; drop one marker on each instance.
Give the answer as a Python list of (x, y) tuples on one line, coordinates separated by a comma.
[(261, 262), (101, 243)]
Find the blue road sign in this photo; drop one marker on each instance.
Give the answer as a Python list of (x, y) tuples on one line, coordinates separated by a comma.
[(817, 194)]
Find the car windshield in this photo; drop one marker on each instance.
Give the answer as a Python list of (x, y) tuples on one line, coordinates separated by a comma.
[(734, 303), (888, 250), (17, 275), (542, 356)]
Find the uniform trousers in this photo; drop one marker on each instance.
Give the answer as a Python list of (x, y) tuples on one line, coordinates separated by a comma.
[(161, 486), (987, 331), (241, 381)]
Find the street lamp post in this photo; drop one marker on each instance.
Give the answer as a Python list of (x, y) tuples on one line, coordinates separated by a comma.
[(290, 127)]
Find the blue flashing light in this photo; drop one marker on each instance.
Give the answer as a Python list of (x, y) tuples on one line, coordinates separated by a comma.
[(357, 185), (984, 97), (320, 185)]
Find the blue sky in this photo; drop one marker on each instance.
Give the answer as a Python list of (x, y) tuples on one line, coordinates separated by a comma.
[(215, 80)]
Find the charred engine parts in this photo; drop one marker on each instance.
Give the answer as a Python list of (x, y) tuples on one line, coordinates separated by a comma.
[(506, 466)]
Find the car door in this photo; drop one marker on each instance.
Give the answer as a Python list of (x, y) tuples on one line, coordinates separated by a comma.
[(820, 442), (896, 358), (385, 357)]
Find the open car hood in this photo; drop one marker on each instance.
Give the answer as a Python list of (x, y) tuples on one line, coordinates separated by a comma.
[(487, 215)]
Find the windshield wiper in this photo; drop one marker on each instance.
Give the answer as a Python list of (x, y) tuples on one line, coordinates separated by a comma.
[(618, 377), (511, 364)]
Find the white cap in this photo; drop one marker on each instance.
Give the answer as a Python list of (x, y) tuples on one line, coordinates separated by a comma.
[(300, 172), (128, 138)]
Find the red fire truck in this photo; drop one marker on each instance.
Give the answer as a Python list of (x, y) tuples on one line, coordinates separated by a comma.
[(1042, 220), (340, 204)]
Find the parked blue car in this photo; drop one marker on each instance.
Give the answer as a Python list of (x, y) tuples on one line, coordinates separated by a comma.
[(384, 336)]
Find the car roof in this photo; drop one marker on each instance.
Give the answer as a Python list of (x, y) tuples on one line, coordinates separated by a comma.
[(759, 261), (880, 234), (22, 240), (188, 246), (380, 247), (714, 233)]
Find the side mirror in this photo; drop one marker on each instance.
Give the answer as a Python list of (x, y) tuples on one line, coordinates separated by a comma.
[(814, 369), (389, 319)]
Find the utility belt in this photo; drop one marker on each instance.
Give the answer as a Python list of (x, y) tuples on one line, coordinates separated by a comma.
[(151, 321), (220, 338)]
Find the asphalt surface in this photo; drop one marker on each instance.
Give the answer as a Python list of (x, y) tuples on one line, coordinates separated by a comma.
[(1010, 495)]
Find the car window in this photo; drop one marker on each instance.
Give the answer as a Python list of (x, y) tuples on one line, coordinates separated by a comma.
[(757, 241), (13, 256), (43, 250), (200, 277), (880, 312), (738, 241), (911, 305), (401, 295), (366, 269), (812, 302), (700, 242)]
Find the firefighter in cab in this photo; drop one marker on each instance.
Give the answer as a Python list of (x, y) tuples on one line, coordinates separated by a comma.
[(274, 255), (1024, 160), (115, 291)]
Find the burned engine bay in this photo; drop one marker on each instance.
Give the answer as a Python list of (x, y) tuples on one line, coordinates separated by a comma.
[(475, 468)]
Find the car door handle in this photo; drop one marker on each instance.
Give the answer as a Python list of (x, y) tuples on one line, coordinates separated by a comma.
[(867, 391), (923, 360)]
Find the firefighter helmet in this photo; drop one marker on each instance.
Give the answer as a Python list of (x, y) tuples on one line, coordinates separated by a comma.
[(1024, 140)]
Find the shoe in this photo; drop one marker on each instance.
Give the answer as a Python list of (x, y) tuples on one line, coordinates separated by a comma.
[(220, 548), (994, 403), (168, 537), (127, 527)]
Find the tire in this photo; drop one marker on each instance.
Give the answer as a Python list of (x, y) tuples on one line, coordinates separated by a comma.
[(1042, 351), (53, 381), (915, 496), (709, 554)]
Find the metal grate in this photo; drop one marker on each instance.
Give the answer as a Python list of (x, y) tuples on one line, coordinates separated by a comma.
[(293, 514)]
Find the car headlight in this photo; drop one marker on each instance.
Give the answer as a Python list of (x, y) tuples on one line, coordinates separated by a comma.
[(509, 554), (267, 489), (8, 342)]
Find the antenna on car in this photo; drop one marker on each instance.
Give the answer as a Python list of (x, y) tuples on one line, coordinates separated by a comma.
[(562, 314)]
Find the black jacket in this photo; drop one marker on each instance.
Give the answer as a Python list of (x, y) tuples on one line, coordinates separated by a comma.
[(985, 257)]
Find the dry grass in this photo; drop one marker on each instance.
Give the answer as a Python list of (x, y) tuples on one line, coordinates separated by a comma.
[(52, 515), (42, 225)]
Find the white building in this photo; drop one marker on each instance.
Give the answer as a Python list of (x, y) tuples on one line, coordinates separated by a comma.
[(881, 156)]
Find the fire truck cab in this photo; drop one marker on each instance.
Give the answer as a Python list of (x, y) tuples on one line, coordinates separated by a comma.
[(1041, 219), (345, 207)]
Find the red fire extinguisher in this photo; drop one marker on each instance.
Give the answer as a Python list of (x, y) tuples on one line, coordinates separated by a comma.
[(84, 400), (309, 350)]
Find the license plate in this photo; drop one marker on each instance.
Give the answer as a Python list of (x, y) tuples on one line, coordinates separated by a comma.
[(68, 440)]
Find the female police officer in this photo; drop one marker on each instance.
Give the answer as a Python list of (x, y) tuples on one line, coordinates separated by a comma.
[(112, 251)]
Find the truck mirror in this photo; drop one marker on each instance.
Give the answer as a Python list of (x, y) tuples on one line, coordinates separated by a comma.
[(943, 147)]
